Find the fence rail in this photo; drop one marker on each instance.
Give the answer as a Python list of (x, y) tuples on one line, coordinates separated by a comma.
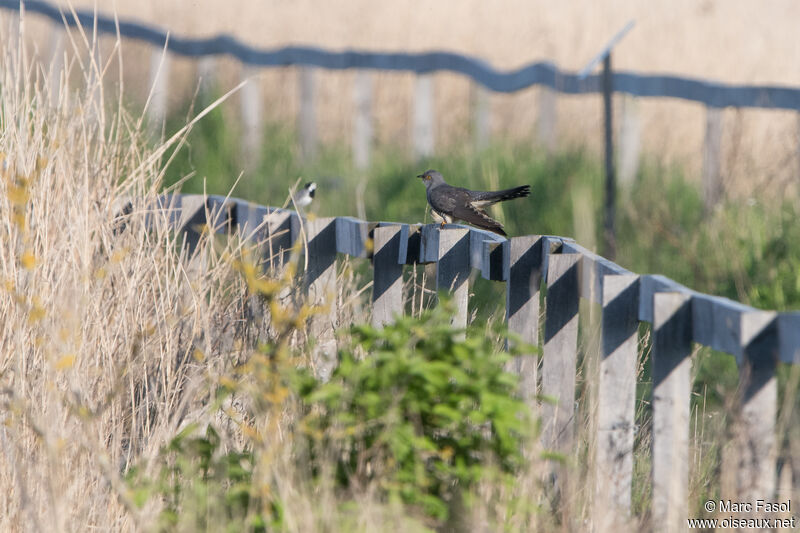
[(759, 340), (707, 92)]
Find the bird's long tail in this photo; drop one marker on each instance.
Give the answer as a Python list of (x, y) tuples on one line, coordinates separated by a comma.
[(491, 197)]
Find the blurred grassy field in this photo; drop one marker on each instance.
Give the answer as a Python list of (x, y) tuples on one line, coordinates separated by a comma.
[(731, 42)]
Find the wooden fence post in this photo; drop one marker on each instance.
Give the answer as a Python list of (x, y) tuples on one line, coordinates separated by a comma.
[(321, 287), (523, 280), (757, 409), (546, 125), (672, 350), (480, 115), (281, 229), (159, 90), (630, 141), (423, 123), (252, 116), (307, 117), (362, 127), (712, 148), (610, 212), (559, 354), (616, 396), (452, 270), (387, 285)]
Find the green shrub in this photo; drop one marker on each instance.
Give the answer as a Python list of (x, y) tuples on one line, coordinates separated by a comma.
[(425, 413)]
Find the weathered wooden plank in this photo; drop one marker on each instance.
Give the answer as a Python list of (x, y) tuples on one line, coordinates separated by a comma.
[(321, 290), (717, 323), (218, 209), (387, 284), (172, 204), (789, 337), (615, 401), (593, 271), (559, 353), (429, 242), (452, 270), (476, 239), (480, 115), (423, 120), (159, 89), (280, 233), (672, 349), (252, 227), (712, 150), (307, 118), (192, 219), (410, 244), (494, 260), (362, 119), (552, 245), (351, 236), (522, 306), (252, 116), (651, 284), (755, 441), (630, 141)]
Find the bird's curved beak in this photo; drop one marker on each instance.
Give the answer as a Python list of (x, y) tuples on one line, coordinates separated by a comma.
[(420, 175)]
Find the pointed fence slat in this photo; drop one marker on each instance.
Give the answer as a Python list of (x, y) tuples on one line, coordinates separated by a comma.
[(755, 441), (616, 400), (672, 349), (453, 269), (522, 305), (321, 287), (351, 236), (387, 286), (281, 231), (559, 353)]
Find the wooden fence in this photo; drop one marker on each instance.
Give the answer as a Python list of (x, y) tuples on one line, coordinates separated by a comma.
[(680, 317), (715, 96)]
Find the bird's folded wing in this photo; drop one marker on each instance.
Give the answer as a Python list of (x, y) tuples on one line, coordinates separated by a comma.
[(477, 217)]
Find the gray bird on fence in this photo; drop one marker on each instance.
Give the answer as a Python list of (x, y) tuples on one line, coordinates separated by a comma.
[(450, 203), (305, 195)]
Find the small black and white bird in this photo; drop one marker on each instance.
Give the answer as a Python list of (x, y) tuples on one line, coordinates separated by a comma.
[(305, 196), (449, 203)]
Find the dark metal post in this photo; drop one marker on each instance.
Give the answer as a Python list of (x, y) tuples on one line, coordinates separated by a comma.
[(609, 231)]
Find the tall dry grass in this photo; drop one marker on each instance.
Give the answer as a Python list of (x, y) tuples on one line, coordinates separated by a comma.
[(103, 315)]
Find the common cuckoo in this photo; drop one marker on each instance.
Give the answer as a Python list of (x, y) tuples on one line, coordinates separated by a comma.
[(449, 203)]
